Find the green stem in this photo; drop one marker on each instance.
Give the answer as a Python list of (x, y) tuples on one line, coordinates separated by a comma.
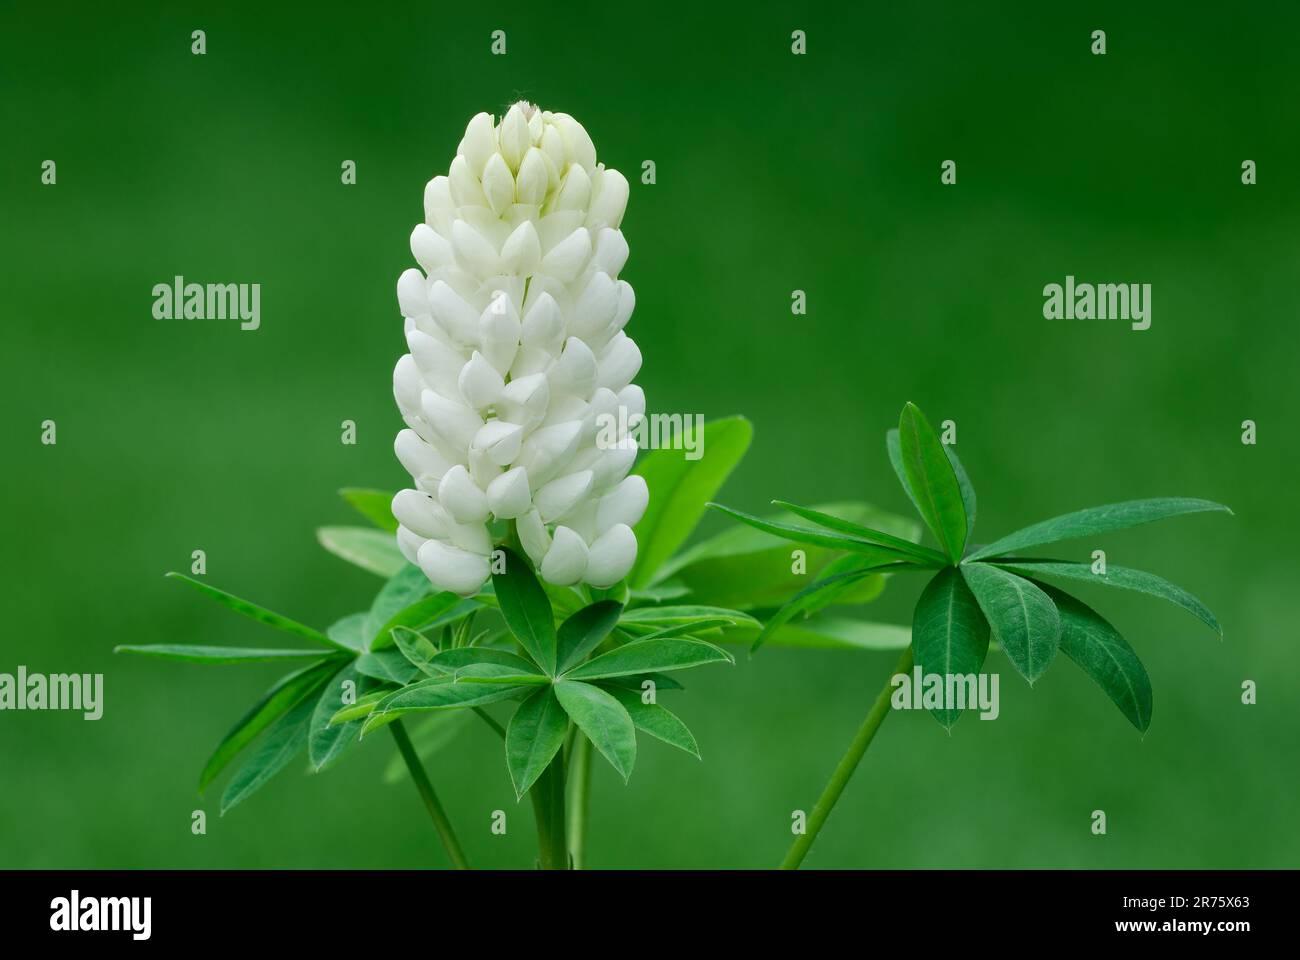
[(421, 779), (548, 806), (579, 794), (848, 763)]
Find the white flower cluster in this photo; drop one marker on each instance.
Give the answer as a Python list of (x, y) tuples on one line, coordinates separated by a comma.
[(518, 358)]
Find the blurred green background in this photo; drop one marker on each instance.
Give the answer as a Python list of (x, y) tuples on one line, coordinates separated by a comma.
[(775, 173)]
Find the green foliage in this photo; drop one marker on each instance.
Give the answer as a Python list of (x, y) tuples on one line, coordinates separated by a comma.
[(986, 592)]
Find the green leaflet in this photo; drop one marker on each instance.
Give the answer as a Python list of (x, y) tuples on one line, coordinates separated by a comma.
[(839, 577), (386, 665), (583, 632), (416, 648), (967, 491), (498, 673), (372, 550), (199, 654), (258, 613), (679, 489), (401, 590), (660, 723), (427, 613), (1022, 617), (827, 633), (282, 742), (831, 522), (440, 693), (653, 654), (326, 741), (1096, 520), (363, 707), (350, 632), (835, 541), (449, 661), (746, 568), (1102, 654), (286, 693), (526, 610), (662, 616), (949, 633), (603, 719), (535, 735), (932, 482), (375, 505), (1122, 577)]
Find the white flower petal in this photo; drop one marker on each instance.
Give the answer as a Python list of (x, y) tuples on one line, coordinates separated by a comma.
[(509, 496), (566, 561), (409, 543), (480, 383), (461, 497), (611, 556), (500, 441), (533, 536), (558, 497), (567, 258), (420, 513), (450, 568), (624, 504)]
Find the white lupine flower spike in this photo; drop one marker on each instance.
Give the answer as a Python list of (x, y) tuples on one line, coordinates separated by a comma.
[(514, 323)]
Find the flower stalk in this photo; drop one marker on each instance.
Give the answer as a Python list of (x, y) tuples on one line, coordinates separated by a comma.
[(847, 765), (422, 784)]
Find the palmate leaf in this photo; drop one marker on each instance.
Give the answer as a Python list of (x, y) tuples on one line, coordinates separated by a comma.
[(584, 631), (286, 693), (1103, 654), (369, 549), (932, 482), (1022, 617), (651, 654), (1096, 520), (830, 522), (282, 743), (534, 736), (258, 613), (375, 505), (526, 610), (840, 576), (679, 489), (400, 591), (200, 654), (326, 741), (1124, 578), (661, 681), (821, 538), (657, 721), (603, 719), (950, 636)]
